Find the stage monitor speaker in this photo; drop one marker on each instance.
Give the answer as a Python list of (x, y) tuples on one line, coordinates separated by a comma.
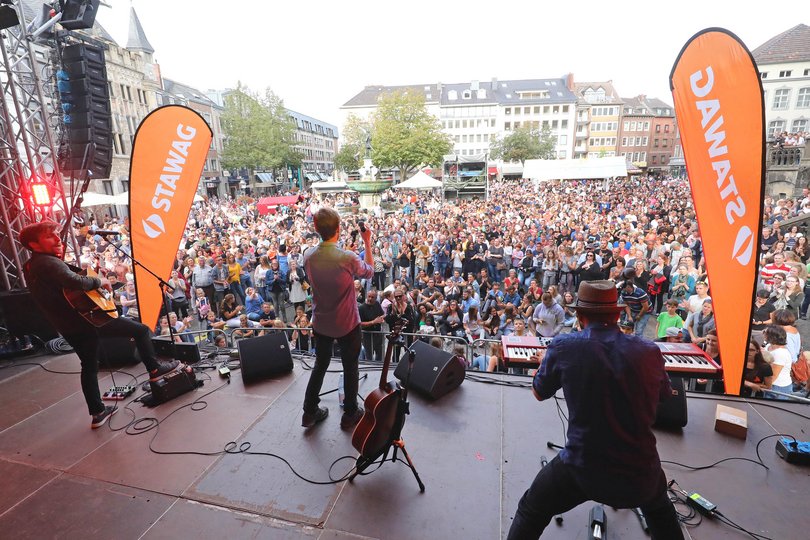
[(435, 372), (22, 316), (672, 413), (265, 356), (117, 351)]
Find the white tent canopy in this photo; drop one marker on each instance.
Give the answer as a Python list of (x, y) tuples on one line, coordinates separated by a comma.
[(123, 198), (419, 181), (90, 198), (574, 169)]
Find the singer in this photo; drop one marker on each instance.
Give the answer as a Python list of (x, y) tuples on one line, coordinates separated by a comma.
[(335, 315), (612, 385), (47, 276)]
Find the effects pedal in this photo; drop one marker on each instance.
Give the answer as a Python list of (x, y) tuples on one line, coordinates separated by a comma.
[(118, 393), (797, 452)]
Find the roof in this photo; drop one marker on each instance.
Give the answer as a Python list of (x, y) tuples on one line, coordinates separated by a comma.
[(187, 92), (508, 92), (641, 105), (478, 93), (790, 46), (136, 40), (369, 95), (299, 118), (601, 93)]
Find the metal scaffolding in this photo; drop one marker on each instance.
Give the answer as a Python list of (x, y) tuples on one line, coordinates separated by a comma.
[(27, 146)]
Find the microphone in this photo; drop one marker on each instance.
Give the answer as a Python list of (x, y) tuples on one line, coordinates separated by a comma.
[(104, 234)]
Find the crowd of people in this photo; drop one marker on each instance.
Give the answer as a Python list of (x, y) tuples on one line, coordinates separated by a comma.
[(783, 139), (473, 269)]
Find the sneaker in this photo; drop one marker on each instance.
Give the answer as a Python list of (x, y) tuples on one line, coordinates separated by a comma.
[(310, 419), (162, 369), (101, 418), (349, 420)]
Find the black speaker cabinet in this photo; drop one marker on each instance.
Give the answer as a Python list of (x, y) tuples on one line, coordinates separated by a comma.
[(21, 316), (117, 351), (265, 356), (435, 372), (672, 413)]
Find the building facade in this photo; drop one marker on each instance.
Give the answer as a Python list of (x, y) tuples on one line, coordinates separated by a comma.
[(474, 114), (317, 142), (648, 135), (784, 69), (599, 112)]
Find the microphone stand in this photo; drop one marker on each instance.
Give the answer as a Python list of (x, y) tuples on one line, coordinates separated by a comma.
[(161, 283)]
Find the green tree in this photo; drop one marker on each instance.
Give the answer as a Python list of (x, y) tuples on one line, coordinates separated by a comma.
[(258, 132), (350, 156), (525, 143), (405, 136)]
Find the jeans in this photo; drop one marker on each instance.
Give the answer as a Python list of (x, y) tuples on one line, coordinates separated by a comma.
[(481, 363), (558, 488), (641, 324), (86, 347), (349, 352), (441, 267), (237, 290), (277, 297), (379, 280), (787, 389), (373, 346), (549, 279)]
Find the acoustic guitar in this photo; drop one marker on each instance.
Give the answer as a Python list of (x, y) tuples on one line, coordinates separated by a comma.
[(373, 433), (96, 306)]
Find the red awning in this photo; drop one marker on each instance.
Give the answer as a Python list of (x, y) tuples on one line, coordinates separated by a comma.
[(267, 205), (492, 170)]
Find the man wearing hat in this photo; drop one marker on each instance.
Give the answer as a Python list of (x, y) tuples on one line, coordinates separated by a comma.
[(612, 383)]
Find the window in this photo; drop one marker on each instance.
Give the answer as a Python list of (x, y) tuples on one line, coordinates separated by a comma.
[(807, 72), (527, 110), (654, 159), (463, 138), (655, 143), (546, 109), (763, 75), (645, 141), (643, 156), (507, 110), (666, 128), (780, 98), (785, 73), (626, 125), (664, 143), (562, 154), (799, 125), (775, 126), (624, 141), (507, 126), (537, 110), (563, 139), (564, 124), (658, 129), (565, 108), (804, 98)]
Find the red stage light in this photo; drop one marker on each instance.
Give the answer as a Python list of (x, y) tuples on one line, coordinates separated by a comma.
[(41, 194)]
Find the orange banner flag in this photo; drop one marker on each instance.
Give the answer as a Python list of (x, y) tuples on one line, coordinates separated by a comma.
[(168, 156), (719, 106)]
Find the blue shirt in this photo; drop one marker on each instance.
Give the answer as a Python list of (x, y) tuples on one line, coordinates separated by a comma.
[(254, 304), (332, 272), (612, 385), (635, 300)]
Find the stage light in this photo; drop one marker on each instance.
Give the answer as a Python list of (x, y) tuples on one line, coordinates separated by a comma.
[(41, 194)]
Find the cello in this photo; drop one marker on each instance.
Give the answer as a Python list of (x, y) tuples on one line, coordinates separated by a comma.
[(373, 434)]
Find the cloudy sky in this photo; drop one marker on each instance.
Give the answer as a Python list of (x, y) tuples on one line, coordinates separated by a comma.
[(317, 54)]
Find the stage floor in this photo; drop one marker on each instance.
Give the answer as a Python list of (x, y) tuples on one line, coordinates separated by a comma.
[(476, 449)]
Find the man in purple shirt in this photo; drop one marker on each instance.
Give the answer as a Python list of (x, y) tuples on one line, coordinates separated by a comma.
[(332, 272)]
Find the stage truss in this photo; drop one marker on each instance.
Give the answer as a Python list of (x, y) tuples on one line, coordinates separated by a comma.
[(27, 146)]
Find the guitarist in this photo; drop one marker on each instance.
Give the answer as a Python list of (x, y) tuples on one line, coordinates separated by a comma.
[(335, 315), (48, 276)]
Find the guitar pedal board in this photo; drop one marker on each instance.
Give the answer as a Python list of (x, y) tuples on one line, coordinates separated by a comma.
[(118, 393)]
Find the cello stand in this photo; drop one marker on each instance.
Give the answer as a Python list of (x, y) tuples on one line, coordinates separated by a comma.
[(395, 440)]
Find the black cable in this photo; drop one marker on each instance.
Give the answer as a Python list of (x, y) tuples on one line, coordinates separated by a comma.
[(730, 523)]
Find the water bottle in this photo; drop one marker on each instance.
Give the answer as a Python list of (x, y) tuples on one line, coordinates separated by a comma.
[(341, 393)]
